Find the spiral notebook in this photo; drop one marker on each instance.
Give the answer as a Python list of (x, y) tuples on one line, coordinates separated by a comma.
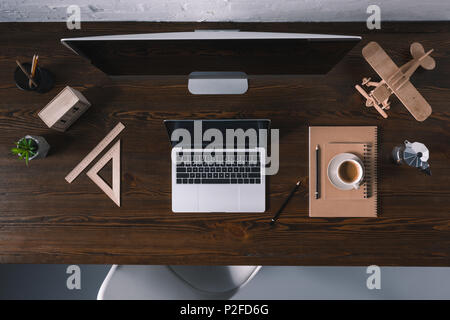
[(361, 141)]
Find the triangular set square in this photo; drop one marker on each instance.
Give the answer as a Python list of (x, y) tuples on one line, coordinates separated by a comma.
[(114, 155)]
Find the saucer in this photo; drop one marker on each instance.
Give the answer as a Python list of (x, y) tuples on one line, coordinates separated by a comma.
[(333, 169)]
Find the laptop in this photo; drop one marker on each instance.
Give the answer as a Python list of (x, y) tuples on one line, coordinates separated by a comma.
[(211, 173)]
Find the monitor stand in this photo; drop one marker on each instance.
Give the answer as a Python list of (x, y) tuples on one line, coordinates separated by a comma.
[(218, 83)]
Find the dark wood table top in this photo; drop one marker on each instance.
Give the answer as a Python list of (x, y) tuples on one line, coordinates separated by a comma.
[(44, 219)]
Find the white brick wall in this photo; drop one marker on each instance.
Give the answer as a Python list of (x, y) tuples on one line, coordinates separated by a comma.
[(223, 10)]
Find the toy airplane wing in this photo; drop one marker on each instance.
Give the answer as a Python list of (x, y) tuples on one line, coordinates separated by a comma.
[(413, 101), (379, 61)]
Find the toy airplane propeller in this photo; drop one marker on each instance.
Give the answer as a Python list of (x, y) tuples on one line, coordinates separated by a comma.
[(395, 80)]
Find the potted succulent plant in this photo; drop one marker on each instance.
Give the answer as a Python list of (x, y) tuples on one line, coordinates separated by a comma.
[(31, 147)]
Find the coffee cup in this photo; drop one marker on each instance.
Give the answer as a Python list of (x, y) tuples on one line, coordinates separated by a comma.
[(350, 171)]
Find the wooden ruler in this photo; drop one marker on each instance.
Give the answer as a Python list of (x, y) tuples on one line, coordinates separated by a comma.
[(95, 152), (114, 154)]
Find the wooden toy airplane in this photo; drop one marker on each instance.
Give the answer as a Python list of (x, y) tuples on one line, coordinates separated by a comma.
[(395, 80)]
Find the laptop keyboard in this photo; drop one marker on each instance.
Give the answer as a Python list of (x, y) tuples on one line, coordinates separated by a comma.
[(237, 169)]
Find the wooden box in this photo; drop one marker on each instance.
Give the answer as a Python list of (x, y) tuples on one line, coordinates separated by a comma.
[(64, 109)]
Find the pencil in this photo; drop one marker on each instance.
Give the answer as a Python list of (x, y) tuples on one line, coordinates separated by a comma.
[(25, 72), (275, 218), (317, 172), (33, 68)]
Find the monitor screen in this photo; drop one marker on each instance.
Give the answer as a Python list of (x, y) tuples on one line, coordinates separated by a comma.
[(254, 55)]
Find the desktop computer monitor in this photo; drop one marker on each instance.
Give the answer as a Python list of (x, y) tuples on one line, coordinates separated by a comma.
[(216, 62)]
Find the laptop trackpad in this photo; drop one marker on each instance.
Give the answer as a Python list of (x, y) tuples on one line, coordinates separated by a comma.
[(210, 201)]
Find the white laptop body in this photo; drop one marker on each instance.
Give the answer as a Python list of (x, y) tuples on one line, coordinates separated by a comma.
[(236, 197)]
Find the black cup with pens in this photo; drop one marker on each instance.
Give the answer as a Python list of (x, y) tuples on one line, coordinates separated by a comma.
[(30, 77)]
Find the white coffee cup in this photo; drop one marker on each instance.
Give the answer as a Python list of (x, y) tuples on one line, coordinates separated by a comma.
[(350, 171)]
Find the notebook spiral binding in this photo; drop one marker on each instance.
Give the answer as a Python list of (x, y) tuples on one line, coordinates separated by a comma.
[(371, 166), (369, 172), (377, 164)]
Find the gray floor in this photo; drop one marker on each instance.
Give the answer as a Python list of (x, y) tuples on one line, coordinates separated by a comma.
[(222, 10), (347, 283), (49, 282)]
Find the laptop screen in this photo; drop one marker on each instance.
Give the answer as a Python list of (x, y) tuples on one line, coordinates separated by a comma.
[(233, 133)]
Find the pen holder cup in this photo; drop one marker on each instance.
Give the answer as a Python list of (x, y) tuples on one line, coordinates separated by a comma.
[(43, 78)]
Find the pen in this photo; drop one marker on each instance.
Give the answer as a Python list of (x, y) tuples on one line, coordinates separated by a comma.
[(317, 172), (285, 202)]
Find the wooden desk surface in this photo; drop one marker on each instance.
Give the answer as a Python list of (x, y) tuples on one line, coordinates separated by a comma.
[(43, 219)]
